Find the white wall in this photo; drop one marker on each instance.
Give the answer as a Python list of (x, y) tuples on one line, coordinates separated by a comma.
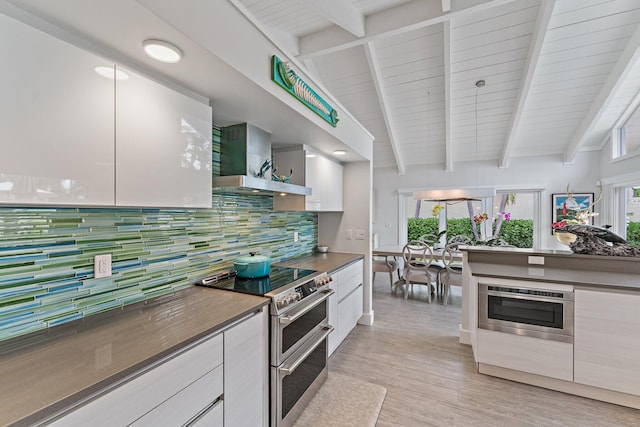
[(332, 226), (546, 172)]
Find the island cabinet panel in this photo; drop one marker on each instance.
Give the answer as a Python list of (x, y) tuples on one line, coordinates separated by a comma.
[(607, 340), (245, 372), (548, 358), (163, 146), (56, 121)]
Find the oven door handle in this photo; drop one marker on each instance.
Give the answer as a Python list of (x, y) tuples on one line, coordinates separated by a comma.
[(289, 369), (285, 320)]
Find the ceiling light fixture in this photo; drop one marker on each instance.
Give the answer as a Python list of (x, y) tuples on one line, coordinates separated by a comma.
[(108, 72), (461, 194), (162, 51), (340, 152), (310, 156)]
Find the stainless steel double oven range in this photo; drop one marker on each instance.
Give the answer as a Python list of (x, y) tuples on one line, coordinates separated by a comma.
[(299, 328)]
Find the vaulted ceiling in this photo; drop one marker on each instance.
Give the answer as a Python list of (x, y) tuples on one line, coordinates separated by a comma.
[(558, 73)]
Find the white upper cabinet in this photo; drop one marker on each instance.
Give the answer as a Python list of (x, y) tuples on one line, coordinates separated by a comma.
[(56, 121), (163, 146), (323, 175), (62, 144)]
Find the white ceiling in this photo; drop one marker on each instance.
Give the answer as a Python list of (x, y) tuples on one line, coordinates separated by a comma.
[(559, 73)]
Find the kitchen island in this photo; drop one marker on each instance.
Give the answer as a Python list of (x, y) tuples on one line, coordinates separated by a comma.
[(45, 372), (555, 319)]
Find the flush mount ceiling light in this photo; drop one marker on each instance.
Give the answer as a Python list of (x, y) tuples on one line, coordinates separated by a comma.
[(310, 156), (108, 73), (340, 152), (162, 51)]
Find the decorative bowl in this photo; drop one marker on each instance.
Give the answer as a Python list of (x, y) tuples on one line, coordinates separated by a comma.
[(323, 249), (565, 238)]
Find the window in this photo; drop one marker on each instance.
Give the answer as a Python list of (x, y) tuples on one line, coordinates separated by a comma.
[(627, 142), (510, 217), (632, 215)]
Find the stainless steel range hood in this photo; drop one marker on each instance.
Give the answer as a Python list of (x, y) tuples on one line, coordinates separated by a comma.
[(244, 148)]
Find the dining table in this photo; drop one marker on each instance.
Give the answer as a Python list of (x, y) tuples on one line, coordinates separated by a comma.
[(395, 251)]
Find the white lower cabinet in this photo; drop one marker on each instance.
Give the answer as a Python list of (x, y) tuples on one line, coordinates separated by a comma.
[(345, 305), (553, 359), (607, 340), (246, 381), (220, 381)]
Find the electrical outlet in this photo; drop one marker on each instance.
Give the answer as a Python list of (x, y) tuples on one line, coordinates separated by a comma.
[(359, 234), (102, 266), (349, 234), (296, 237)]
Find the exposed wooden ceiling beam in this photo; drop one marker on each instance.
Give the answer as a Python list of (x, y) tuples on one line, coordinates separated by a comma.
[(537, 40), (341, 13), (376, 75), (608, 91), (448, 162), (399, 20)]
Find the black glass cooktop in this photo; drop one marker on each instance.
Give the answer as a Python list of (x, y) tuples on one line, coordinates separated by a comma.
[(278, 277)]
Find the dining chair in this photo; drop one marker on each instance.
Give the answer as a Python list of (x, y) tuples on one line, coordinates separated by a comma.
[(385, 264), (418, 269), (451, 274)]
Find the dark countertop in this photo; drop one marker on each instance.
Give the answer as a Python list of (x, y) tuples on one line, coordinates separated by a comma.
[(601, 279), (47, 371), (327, 262)]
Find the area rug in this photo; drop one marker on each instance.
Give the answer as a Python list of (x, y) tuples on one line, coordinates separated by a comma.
[(343, 401)]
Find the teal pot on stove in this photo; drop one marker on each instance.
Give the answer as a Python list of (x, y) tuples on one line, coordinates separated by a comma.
[(252, 266)]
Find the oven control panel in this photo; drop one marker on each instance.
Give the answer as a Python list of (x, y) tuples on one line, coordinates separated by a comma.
[(301, 292)]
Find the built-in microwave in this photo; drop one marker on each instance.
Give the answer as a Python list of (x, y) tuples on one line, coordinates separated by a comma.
[(534, 312)]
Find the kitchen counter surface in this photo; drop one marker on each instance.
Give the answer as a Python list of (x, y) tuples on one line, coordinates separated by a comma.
[(602, 279), (328, 262), (46, 371)]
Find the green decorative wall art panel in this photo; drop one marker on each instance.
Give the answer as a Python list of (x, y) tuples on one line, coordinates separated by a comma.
[(286, 78)]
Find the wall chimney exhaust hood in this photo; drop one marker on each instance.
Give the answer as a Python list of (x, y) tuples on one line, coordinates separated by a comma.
[(244, 148)]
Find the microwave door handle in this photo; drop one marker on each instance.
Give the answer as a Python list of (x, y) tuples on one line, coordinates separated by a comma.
[(527, 297), (288, 370), (285, 320)]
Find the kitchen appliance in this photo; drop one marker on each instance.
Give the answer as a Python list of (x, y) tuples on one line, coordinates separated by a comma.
[(252, 266), (299, 330), (533, 312), (244, 149)]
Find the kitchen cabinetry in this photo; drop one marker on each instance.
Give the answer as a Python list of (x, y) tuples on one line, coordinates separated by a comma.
[(323, 175), (68, 147), (163, 146), (246, 377), (57, 120), (187, 387), (607, 340), (345, 306)]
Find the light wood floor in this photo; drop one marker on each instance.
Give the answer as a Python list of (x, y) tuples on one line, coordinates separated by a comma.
[(413, 350)]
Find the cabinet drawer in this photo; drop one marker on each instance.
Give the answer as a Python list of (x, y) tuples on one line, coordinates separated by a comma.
[(182, 406), (212, 418), (349, 312), (348, 279), (533, 355), (130, 401)]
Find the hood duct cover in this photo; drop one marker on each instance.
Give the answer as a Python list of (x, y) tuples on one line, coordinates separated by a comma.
[(244, 148)]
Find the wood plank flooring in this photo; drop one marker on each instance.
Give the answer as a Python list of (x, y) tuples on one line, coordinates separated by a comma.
[(413, 350)]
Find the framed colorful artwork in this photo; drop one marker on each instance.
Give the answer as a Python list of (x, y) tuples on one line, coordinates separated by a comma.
[(565, 207)]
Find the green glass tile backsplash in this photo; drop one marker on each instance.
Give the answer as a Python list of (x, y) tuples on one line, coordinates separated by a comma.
[(46, 254)]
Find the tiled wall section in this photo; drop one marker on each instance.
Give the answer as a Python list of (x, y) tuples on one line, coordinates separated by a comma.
[(46, 255)]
